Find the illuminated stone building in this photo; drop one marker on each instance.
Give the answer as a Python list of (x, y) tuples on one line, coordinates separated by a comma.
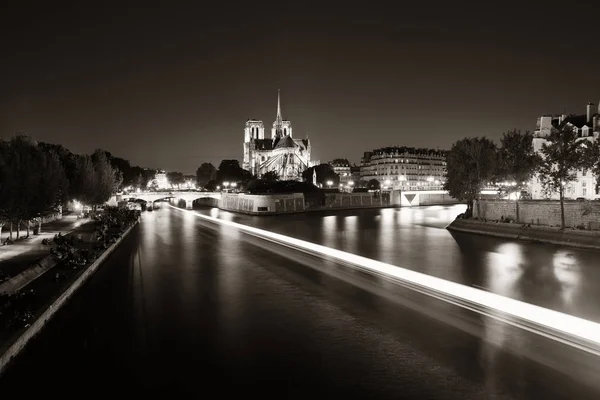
[(405, 168), (587, 127), (286, 156)]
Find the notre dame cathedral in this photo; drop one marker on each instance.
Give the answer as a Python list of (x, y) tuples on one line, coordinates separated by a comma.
[(281, 153)]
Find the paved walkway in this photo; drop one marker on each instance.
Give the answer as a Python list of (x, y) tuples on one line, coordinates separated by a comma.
[(16, 257)]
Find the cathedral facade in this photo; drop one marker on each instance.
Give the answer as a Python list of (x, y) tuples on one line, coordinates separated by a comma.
[(281, 153)]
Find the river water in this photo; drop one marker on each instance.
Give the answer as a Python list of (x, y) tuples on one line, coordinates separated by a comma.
[(186, 307)]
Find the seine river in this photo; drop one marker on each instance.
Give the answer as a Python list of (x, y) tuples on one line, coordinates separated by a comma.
[(187, 307)]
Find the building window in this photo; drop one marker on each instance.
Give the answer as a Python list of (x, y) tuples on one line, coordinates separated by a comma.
[(584, 192)]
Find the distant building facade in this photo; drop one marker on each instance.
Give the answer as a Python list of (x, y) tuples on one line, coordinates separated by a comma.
[(405, 168), (587, 127), (342, 167), (283, 154), (160, 181)]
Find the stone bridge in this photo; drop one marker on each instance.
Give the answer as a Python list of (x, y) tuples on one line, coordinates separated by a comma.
[(210, 199)]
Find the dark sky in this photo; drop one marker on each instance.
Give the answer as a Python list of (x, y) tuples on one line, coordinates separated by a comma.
[(171, 86)]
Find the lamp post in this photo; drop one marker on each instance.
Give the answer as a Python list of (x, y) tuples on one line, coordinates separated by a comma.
[(329, 183)]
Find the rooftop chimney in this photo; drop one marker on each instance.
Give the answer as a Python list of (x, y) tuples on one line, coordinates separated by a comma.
[(590, 112)]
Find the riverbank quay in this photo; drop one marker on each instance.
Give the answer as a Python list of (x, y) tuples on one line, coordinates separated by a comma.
[(24, 313), (33, 243), (584, 239)]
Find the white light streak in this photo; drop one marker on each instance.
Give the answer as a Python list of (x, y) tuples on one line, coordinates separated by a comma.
[(568, 329)]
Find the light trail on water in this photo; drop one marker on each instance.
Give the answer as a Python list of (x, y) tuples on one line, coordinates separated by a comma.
[(573, 331)]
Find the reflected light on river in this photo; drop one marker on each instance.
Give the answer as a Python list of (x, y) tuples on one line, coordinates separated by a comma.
[(568, 273), (330, 231), (504, 268)]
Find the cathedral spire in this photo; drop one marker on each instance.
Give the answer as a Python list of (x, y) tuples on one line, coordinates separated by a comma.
[(278, 119)]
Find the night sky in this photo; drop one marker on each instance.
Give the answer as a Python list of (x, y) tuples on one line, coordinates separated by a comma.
[(172, 86)]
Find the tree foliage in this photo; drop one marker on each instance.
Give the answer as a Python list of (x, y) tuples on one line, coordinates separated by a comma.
[(373, 184), (230, 171), (32, 180), (562, 156), (175, 178), (517, 161), (470, 164), (325, 173), (270, 176), (205, 173)]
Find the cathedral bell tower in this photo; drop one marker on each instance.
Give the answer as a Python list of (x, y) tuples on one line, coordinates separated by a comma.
[(281, 127)]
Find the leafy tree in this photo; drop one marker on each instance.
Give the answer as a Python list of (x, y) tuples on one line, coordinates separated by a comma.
[(517, 160), (373, 184), (107, 178), (591, 159), (33, 181), (270, 176), (53, 187), (325, 173), (68, 162), (148, 175), (470, 163), (175, 178), (561, 158), (205, 173), (211, 186), (86, 181), (230, 171)]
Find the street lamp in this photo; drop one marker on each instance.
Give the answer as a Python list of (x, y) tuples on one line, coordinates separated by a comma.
[(329, 183), (233, 184), (350, 183)]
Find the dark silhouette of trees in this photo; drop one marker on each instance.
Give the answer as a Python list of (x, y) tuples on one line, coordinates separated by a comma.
[(471, 163), (230, 171), (373, 184), (205, 173), (270, 176), (517, 161), (562, 156), (175, 178), (325, 173), (33, 182)]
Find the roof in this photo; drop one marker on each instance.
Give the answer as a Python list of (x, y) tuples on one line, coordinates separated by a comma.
[(263, 144), (578, 121), (285, 142)]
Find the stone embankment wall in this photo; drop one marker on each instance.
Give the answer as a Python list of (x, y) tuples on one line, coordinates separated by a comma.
[(541, 212), (534, 233), (19, 344), (355, 200), (262, 204), (272, 204)]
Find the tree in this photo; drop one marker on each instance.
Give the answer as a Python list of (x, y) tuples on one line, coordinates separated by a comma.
[(373, 184), (107, 178), (470, 163), (561, 158), (230, 171), (175, 178), (270, 176), (211, 186), (205, 173), (86, 180), (325, 173), (52, 189), (591, 159), (517, 160), (33, 181)]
